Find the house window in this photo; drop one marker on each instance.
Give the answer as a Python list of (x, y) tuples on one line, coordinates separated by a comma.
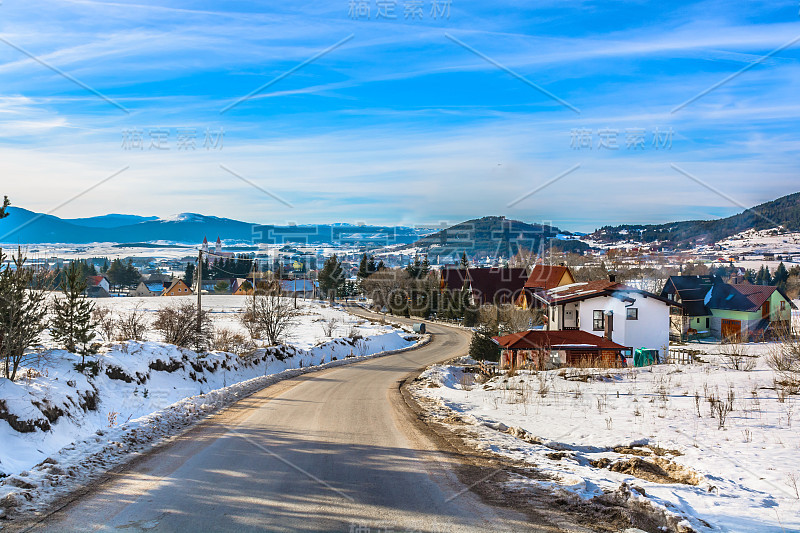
[(598, 321), (783, 305), (708, 322), (632, 313)]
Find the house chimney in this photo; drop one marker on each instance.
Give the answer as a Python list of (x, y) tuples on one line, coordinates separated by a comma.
[(608, 328), (612, 278)]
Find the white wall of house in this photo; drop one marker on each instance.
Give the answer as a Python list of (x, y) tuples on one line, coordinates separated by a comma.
[(104, 284), (565, 316), (649, 330)]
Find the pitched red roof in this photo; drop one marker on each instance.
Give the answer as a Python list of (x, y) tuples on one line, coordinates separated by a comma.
[(545, 276), (537, 338), (489, 285), (755, 294), (94, 281), (583, 290), (496, 285), (453, 278)]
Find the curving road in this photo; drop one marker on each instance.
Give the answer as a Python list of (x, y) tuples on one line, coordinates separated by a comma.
[(335, 450)]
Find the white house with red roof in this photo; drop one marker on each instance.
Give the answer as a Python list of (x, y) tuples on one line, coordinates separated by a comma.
[(622, 314), (97, 287)]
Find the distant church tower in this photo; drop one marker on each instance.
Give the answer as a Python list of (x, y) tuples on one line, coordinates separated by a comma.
[(205, 245), (218, 246)]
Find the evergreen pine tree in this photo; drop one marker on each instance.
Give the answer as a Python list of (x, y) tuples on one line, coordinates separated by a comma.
[(482, 347), (3, 210), (188, 274), (371, 266), (363, 267), (763, 277), (780, 277), (116, 273), (464, 261), (71, 325), (424, 267), (22, 312), (331, 277), (131, 276), (381, 266), (413, 268)]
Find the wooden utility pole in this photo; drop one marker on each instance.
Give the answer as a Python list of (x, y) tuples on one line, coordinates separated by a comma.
[(200, 291)]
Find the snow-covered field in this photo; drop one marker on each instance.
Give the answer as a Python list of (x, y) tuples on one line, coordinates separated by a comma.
[(307, 332), (650, 429), (753, 242), (59, 427)]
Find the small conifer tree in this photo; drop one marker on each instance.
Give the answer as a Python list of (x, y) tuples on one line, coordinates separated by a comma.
[(72, 325)]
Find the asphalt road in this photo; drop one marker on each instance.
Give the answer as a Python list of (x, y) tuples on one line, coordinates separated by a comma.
[(335, 450)]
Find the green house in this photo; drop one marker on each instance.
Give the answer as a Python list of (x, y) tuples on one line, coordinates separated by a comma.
[(749, 311), (708, 306)]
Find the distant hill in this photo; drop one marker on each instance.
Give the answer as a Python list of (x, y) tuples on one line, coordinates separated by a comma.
[(23, 226), (348, 234), (494, 236), (784, 211), (26, 227), (109, 221)]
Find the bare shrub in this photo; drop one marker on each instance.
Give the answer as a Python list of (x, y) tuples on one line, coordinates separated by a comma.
[(329, 326), (132, 325), (792, 482), (544, 386), (360, 347), (178, 325), (784, 359), (227, 340), (721, 408), (354, 333), (106, 323), (737, 356), (270, 316), (508, 318)]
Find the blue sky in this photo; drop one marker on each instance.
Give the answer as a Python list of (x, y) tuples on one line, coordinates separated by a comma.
[(413, 120)]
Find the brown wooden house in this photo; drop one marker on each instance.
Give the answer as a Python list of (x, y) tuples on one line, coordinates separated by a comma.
[(542, 349)]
